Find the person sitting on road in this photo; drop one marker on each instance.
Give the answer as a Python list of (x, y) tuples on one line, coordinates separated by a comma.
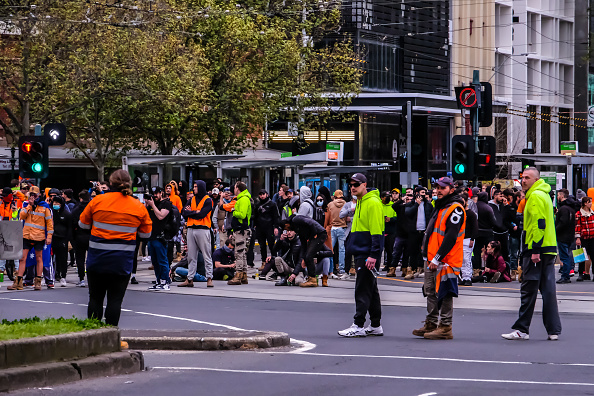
[(179, 270), (496, 269), (286, 256), (224, 261)]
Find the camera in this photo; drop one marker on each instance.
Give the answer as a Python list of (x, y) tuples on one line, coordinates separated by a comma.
[(147, 197)]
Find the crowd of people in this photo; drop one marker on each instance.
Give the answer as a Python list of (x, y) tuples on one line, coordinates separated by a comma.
[(208, 232)]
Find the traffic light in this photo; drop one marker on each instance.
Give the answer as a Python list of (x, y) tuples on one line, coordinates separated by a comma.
[(33, 157), (486, 158), (527, 163), (486, 109), (463, 157), (56, 134)]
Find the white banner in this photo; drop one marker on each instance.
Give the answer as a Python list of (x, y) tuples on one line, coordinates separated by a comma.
[(11, 240)]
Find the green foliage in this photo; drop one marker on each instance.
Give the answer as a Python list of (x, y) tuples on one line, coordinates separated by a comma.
[(35, 327)]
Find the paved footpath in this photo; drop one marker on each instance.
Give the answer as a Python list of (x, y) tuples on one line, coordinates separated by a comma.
[(477, 361)]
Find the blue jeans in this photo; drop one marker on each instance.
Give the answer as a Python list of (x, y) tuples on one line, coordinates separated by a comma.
[(514, 249), (566, 258), (158, 251), (339, 234), (183, 272)]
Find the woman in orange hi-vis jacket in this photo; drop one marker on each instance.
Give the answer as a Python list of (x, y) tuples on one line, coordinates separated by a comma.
[(114, 220)]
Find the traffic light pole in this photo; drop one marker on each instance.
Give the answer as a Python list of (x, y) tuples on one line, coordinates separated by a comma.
[(474, 116)]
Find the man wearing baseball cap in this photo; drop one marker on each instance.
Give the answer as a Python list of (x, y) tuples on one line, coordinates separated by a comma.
[(366, 244), (443, 246)]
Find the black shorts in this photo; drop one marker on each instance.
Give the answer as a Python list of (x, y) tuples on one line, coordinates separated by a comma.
[(37, 245)]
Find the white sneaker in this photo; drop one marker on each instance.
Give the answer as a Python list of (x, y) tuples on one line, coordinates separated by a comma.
[(353, 331), (516, 335), (553, 337), (374, 331), (164, 286), (334, 276), (63, 282), (344, 276), (81, 283), (147, 258), (155, 287)]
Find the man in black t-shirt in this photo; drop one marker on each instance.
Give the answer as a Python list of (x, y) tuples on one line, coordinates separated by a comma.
[(159, 208), (224, 261)]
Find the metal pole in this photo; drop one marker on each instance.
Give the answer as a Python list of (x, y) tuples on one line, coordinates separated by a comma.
[(409, 143), (474, 117), (12, 161)]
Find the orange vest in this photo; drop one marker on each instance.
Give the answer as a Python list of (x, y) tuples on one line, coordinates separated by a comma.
[(454, 257), (206, 221)]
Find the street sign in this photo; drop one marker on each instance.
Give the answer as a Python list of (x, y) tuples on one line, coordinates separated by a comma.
[(569, 148), (591, 117), (334, 151), (550, 178), (286, 155), (467, 97)]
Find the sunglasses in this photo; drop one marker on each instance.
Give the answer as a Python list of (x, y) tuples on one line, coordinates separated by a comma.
[(354, 185), (319, 200), (33, 195)]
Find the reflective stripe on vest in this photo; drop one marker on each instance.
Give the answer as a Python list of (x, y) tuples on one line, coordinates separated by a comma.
[(206, 221), (454, 257)]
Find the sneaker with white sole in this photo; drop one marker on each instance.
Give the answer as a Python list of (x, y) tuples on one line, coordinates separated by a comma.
[(164, 287), (63, 282), (155, 287), (81, 283), (353, 331), (374, 331), (553, 337), (516, 335), (344, 276), (334, 276)]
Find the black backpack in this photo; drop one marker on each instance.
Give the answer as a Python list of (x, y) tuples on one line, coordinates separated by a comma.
[(173, 224), (318, 213)]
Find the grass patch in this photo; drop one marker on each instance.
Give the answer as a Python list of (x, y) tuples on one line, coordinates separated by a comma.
[(35, 327)]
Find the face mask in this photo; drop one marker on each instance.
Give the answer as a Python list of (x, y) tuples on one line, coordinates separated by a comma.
[(227, 249), (435, 197), (56, 207), (320, 203)]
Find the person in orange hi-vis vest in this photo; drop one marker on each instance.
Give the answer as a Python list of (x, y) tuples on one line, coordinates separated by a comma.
[(443, 247), (115, 219)]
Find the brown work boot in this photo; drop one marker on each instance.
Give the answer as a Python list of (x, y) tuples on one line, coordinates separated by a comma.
[(403, 274), (17, 284), (186, 283), (324, 280), (209, 282), (409, 274), (391, 272), (427, 327), (514, 275), (311, 282), (352, 271), (236, 280), (262, 267), (244, 280), (37, 283), (441, 333)]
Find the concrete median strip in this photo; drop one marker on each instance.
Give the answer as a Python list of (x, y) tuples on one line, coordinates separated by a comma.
[(204, 340), (54, 360)]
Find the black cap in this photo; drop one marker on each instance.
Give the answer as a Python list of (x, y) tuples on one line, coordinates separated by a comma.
[(263, 191), (54, 191), (6, 191), (358, 177), (445, 182), (157, 189)]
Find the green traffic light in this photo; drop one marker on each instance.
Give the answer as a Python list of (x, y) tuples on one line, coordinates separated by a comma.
[(37, 167), (526, 166), (459, 168)]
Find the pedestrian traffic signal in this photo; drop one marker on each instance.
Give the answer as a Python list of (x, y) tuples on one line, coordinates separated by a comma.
[(527, 163), (486, 158), (56, 134), (33, 157), (463, 157)]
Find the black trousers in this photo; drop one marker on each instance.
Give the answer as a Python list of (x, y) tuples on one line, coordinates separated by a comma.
[(479, 243), (264, 235), (314, 246), (100, 285), (388, 248), (415, 240), (60, 250), (81, 245), (367, 298), (400, 252), (539, 276)]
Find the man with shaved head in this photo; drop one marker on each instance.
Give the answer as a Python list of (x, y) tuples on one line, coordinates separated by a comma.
[(538, 259)]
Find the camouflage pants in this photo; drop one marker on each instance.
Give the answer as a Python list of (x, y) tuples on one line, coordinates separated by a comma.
[(242, 242)]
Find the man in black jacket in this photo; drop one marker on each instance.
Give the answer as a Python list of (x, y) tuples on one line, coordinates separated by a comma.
[(62, 234), (80, 236), (502, 223), (266, 217), (486, 222), (515, 230), (400, 250), (418, 213), (287, 256), (565, 229)]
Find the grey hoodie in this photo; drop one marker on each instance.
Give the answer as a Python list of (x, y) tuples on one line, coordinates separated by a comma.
[(306, 206)]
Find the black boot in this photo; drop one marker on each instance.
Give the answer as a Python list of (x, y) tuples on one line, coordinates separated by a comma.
[(10, 269), (581, 269)]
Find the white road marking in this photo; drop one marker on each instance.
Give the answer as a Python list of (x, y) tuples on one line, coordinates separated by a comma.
[(429, 394), (351, 375), (304, 346)]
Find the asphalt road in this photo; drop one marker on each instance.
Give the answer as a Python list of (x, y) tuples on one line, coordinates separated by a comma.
[(476, 361)]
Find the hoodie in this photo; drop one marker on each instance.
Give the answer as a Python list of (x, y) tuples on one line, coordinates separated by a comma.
[(367, 230), (565, 221), (206, 208), (266, 214), (486, 217), (539, 227), (62, 220), (306, 205), (334, 208), (242, 213)]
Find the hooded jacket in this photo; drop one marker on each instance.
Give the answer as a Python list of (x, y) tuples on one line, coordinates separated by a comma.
[(206, 208), (367, 230), (486, 217), (334, 208), (290, 251), (565, 221), (62, 220), (242, 213), (402, 221), (266, 214), (390, 213), (306, 205), (539, 223), (80, 234), (38, 220)]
